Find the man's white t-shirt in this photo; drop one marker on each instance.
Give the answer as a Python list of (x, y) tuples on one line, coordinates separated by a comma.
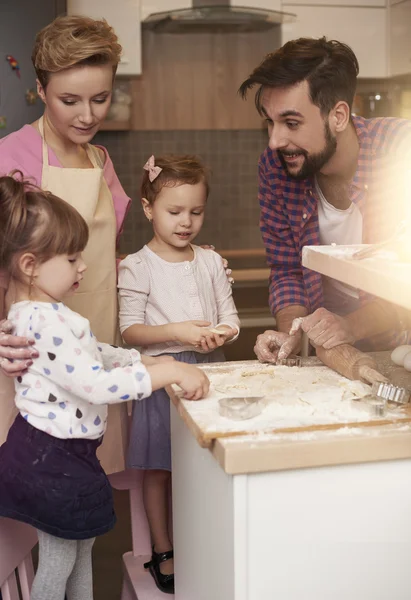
[(341, 227)]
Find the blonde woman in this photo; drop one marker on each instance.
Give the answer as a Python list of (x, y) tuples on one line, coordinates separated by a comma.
[(75, 59)]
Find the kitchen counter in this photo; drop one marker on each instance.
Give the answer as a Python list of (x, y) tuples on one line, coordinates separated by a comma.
[(303, 516)]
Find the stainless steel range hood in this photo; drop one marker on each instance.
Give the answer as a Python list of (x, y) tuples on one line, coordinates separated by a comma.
[(215, 17)]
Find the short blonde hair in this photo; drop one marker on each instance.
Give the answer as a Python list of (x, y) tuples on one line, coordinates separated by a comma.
[(74, 40)]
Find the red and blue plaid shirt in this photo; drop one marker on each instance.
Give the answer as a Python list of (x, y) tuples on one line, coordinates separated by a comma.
[(289, 215)]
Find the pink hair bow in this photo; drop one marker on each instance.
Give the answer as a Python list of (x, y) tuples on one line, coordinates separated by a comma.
[(153, 171)]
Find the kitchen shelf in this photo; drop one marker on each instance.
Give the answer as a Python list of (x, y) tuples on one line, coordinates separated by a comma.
[(115, 126), (378, 275)]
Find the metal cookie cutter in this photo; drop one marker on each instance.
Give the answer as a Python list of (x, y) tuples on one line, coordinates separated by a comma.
[(240, 408), (291, 361), (391, 393)]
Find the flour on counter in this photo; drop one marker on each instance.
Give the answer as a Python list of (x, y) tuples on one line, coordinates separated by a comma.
[(293, 397), (348, 251)]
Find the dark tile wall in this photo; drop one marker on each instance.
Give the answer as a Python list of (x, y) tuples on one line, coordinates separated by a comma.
[(232, 213)]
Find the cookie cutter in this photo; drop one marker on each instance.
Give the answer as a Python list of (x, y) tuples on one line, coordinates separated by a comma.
[(240, 408), (391, 393), (291, 361)]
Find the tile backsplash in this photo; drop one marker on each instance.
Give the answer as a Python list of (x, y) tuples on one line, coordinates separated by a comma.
[(233, 212)]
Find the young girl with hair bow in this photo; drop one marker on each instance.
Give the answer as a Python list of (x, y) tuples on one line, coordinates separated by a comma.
[(175, 300)]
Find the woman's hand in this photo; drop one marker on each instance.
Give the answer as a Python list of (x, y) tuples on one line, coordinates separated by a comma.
[(225, 263), (192, 380), (16, 353)]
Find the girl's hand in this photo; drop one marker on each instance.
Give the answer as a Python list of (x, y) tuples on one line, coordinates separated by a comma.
[(15, 352), (214, 340), (190, 332), (192, 380)]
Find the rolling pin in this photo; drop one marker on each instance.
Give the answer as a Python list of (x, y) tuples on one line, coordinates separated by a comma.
[(351, 363)]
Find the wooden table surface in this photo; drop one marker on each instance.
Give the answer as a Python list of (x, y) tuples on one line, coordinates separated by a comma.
[(271, 452)]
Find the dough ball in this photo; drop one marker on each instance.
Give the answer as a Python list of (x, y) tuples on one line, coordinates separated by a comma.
[(407, 361), (398, 355)]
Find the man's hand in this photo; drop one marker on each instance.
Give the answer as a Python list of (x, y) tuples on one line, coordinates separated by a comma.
[(276, 345), (328, 330), (15, 352)]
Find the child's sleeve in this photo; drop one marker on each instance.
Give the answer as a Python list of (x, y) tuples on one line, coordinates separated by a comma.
[(226, 310), (133, 290), (65, 362)]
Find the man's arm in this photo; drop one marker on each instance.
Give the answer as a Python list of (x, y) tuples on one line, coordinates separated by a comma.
[(287, 293), (283, 257), (329, 330)]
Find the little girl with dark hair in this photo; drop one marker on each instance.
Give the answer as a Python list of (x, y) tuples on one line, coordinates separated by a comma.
[(50, 476)]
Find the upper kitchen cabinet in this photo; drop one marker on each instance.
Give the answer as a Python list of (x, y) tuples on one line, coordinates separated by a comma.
[(400, 38), (124, 16), (363, 28)]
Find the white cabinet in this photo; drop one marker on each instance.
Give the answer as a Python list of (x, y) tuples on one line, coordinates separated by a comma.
[(363, 29), (124, 17), (400, 38)]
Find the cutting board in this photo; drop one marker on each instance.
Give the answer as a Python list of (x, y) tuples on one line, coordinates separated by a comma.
[(205, 434)]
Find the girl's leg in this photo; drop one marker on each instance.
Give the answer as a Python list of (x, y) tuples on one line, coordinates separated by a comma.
[(80, 582), (156, 489), (56, 561)]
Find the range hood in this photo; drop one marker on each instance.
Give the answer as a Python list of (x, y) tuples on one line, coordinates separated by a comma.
[(207, 17)]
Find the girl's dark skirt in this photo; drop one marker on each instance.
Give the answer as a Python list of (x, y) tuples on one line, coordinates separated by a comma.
[(56, 485)]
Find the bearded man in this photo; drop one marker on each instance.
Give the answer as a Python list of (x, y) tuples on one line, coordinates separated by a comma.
[(327, 177)]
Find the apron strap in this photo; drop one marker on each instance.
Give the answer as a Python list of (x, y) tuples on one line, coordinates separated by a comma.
[(94, 156), (92, 152), (44, 145)]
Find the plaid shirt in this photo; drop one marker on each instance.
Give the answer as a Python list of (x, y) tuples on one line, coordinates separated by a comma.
[(289, 215)]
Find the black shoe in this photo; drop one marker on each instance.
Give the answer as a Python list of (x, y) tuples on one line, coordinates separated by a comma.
[(165, 583)]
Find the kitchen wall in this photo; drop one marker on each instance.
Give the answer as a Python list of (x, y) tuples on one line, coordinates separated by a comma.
[(186, 101), (20, 20), (232, 213)]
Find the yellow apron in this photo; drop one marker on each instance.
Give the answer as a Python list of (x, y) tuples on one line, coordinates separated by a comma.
[(87, 191)]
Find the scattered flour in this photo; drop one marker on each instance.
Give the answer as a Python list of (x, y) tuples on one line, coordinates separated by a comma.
[(348, 251), (292, 397)]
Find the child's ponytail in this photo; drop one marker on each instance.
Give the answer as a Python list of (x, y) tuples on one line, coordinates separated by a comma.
[(35, 221), (13, 213)]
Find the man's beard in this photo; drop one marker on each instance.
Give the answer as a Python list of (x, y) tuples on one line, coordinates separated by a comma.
[(313, 163)]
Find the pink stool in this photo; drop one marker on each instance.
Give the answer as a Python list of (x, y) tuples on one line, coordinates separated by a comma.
[(138, 584), (16, 543)]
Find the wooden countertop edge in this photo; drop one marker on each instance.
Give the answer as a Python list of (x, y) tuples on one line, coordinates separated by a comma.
[(248, 456)]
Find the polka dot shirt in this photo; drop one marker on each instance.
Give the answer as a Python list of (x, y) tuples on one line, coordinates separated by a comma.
[(65, 392)]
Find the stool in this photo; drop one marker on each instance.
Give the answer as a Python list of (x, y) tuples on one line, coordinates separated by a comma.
[(138, 584), (16, 543)]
